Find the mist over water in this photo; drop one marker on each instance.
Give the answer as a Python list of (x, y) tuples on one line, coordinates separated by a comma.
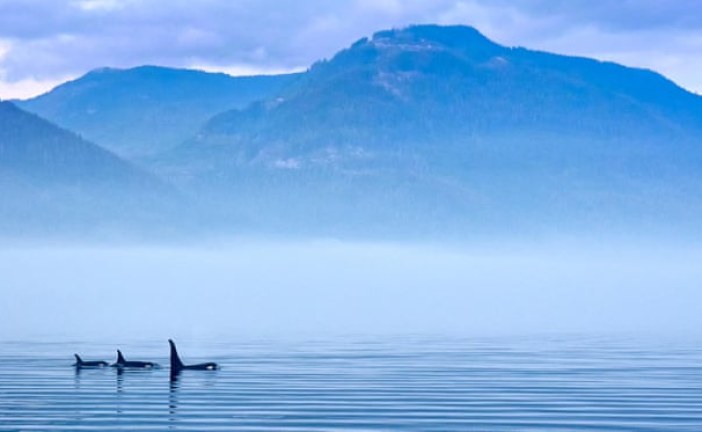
[(328, 288)]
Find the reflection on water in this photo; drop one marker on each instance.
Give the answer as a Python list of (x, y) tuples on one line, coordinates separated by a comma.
[(173, 401), (407, 384)]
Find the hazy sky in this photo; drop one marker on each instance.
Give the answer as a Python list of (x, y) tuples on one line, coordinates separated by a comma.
[(44, 42)]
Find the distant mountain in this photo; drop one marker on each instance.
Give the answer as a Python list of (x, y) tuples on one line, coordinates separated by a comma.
[(53, 181), (144, 110), (426, 131), (439, 129)]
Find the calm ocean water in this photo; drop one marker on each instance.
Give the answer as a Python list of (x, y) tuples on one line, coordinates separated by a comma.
[(362, 384)]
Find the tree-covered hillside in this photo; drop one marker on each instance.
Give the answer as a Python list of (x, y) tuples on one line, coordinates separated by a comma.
[(431, 128), (52, 181), (144, 110)]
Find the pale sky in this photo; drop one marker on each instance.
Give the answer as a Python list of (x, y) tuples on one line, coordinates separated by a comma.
[(46, 42)]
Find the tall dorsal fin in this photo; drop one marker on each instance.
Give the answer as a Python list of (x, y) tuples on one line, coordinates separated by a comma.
[(176, 363), (120, 357), (78, 359)]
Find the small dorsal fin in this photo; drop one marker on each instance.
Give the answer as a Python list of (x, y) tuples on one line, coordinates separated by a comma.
[(78, 359), (120, 357)]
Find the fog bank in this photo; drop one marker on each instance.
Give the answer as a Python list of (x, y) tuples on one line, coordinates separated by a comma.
[(327, 288)]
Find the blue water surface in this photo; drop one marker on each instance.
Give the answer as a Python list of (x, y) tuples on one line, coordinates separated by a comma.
[(361, 384)]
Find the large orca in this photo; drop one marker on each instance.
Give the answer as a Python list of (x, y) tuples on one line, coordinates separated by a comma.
[(80, 363), (177, 365), (122, 363)]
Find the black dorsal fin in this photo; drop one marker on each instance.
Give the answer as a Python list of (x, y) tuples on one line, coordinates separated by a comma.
[(176, 363), (120, 357), (78, 359)]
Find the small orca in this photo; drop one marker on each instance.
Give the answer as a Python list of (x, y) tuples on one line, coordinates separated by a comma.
[(122, 363), (89, 364), (177, 365)]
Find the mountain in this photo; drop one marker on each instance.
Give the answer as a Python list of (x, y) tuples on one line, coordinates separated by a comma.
[(439, 129), (52, 181), (144, 110)]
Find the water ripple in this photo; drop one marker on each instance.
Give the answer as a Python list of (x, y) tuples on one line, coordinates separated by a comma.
[(409, 384)]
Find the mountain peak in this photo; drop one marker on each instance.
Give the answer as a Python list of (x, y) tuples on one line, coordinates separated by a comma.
[(417, 47), (456, 36)]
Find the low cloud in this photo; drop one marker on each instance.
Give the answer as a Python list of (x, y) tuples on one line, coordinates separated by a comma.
[(46, 40)]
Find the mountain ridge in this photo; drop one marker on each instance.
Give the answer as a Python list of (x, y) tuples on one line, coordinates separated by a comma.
[(409, 115), (143, 110), (438, 131)]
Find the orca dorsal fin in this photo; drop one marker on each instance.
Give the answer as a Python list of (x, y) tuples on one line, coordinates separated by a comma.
[(120, 357), (176, 363), (78, 359)]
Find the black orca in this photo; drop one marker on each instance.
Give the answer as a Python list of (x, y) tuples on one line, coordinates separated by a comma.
[(88, 364), (122, 363), (177, 365)]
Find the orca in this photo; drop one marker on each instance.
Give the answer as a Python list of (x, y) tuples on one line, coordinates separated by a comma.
[(177, 365), (80, 363), (122, 363)]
